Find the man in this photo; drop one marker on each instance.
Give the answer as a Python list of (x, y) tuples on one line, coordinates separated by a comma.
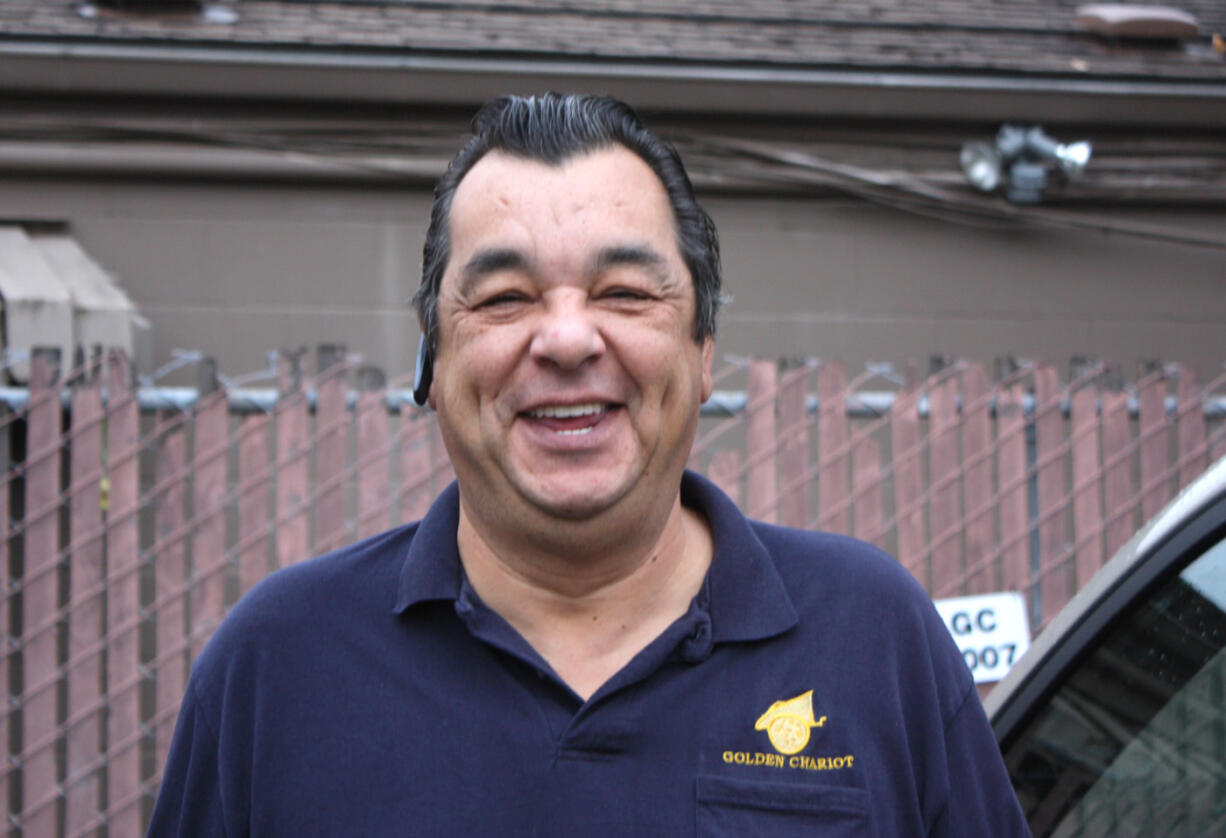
[(580, 638)]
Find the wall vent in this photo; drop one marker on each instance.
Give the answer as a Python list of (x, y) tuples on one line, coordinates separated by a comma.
[(173, 9), (1118, 20), (150, 5)]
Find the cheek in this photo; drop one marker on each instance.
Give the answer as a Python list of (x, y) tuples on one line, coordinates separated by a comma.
[(482, 362)]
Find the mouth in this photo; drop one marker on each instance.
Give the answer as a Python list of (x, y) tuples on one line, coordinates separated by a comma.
[(570, 419)]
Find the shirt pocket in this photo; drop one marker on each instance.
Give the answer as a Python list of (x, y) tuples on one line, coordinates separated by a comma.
[(731, 808)]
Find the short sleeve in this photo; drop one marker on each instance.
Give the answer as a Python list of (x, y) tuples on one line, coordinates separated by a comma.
[(981, 799), (190, 800)]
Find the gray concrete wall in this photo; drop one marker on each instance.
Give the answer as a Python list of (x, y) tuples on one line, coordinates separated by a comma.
[(235, 270)]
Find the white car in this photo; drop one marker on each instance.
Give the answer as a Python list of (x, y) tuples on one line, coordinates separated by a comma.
[(1114, 722)]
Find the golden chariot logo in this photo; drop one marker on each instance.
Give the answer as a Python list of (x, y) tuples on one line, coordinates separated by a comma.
[(788, 723)]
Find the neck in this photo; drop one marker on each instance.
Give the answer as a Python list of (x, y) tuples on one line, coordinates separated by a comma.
[(590, 606)]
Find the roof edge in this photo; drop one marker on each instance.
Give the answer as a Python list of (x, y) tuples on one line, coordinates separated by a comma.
[(51, 67)]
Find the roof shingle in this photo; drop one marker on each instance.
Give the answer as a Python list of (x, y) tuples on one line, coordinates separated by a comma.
[(1015, 37)]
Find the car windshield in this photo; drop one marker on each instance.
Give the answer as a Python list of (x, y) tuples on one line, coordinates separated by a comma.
[(1133, 743)]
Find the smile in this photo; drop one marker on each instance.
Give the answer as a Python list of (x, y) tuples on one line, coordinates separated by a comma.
[(570, 419), (568, 411)]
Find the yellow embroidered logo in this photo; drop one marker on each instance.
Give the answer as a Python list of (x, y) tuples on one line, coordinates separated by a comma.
[(788, 722)]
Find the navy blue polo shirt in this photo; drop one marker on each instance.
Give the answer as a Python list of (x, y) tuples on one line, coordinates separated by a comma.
[(810, 689)]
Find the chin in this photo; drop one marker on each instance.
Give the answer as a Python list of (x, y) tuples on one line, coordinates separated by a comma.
[(572, 508), (571, 503)]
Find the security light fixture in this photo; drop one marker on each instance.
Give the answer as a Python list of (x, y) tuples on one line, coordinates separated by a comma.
[(1019, 160), (981, 162)]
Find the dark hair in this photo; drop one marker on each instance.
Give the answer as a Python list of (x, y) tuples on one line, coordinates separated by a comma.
[(553, 128)]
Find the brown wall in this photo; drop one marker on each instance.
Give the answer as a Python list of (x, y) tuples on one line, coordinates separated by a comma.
[(235, 270), (853, 281)]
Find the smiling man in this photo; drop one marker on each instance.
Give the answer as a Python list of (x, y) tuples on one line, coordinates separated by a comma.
[(580, 638), (567, 384)]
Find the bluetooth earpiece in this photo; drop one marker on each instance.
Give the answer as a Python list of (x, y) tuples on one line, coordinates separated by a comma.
[(423, 374)]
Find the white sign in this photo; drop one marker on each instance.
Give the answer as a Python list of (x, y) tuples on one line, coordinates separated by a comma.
[(991, 630)]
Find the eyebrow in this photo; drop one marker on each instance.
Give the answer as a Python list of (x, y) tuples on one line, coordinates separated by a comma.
[(485, 262), (634, 255), (495, 259)]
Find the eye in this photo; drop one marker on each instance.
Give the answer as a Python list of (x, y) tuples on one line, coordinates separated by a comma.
[(505, 298), (621, 292)]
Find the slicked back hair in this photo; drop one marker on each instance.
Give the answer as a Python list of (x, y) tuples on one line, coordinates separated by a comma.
[(552, 129)]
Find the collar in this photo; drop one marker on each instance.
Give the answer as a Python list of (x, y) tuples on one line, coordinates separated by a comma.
[(432, 570), (747, 599), (744, 595)]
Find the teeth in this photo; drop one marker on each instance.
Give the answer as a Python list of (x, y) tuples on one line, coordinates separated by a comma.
[(569, 411), (575, 432)]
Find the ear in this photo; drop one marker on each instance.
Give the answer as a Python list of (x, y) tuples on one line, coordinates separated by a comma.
[(708, 357)]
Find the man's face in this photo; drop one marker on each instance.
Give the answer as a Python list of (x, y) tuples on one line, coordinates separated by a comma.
[(567, 380)]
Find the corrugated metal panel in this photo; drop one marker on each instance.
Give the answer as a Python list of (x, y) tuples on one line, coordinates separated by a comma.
[(37, 306), (55, 295), (101, 311)]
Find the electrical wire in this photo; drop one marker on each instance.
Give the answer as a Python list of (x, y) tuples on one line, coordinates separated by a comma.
[(395, 150)]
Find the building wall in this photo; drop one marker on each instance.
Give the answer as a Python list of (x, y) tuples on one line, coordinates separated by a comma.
[(238, 269), (850, 280)]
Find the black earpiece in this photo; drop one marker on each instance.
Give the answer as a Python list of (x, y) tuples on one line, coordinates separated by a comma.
[(423, 374)]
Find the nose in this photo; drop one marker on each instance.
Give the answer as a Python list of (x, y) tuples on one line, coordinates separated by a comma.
[(567, 335)]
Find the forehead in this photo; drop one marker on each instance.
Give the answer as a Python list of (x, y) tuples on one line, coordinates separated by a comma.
[(527, 203)]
